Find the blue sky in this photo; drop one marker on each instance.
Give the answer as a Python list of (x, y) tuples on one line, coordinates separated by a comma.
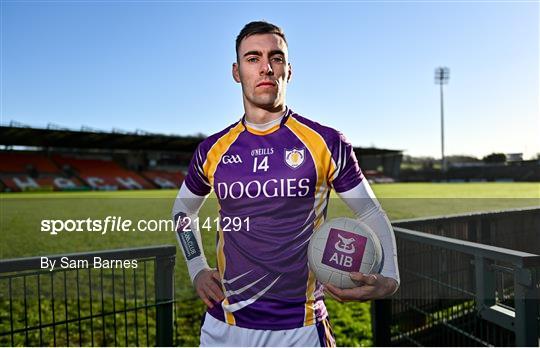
[(365, 68)]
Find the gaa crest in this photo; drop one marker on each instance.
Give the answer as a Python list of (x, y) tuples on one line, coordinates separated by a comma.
[(295, 157)]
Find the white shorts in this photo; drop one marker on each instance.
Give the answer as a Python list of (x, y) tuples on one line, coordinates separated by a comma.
[(215, 333)]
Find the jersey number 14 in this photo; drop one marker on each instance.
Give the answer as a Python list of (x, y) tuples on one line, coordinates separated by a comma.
[(262, 165)]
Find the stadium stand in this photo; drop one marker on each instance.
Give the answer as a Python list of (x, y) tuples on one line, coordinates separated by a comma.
[(101, 174), (61, 159), (15, 183), (15, 162), (164, 179), (375, 176), (25, 171)]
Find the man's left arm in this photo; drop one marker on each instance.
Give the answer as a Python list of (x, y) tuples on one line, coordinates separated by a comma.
[(362, 201)]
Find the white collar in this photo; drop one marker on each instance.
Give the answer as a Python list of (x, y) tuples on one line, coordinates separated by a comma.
[(266, 126)]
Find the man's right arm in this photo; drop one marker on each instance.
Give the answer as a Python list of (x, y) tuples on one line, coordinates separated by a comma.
[(186, 210), (206, 280)]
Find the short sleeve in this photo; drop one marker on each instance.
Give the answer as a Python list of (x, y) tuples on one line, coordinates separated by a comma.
[(196, 180), (347, 174)]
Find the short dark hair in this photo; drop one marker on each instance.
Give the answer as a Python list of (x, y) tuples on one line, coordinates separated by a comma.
[(258, 27)]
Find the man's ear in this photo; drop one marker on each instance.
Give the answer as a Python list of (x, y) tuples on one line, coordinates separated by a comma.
[(235, 72), (289, 72)]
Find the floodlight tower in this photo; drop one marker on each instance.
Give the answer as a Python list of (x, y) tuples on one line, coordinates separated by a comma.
[(442, 75)]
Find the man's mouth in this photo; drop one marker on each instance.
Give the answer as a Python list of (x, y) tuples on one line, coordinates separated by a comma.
[(266, 84)]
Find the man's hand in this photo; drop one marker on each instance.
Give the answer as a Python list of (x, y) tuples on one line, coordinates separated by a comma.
[(375, 286), (208, 285)]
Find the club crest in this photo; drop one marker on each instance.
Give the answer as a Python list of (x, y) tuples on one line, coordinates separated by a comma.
[(295, 157)]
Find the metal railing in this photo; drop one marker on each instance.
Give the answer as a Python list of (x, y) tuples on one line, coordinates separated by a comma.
[(458, 292), (79, 303), (515, 229)]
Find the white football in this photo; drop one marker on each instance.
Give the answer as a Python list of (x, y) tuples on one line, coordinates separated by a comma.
[(341, 246)]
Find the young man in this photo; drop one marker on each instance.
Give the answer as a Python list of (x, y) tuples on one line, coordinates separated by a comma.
[(272, 172)]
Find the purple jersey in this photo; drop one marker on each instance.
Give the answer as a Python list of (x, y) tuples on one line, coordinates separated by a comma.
[(277, 183)]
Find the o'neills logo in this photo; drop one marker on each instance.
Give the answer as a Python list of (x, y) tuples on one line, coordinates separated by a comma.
[(295, 157), (270, 188)]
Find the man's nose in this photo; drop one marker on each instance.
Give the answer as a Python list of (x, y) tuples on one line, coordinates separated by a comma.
[(266, 69)]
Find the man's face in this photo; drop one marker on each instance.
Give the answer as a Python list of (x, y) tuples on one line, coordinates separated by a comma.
[(263, 70)]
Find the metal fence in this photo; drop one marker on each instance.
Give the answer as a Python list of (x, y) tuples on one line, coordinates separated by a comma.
[(516, 229), (457, 292), (79, 304)]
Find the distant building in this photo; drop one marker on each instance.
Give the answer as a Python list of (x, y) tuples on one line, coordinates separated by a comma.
[(514, 157), (387, 162)]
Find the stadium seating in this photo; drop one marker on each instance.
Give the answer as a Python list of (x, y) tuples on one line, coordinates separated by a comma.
[(16, 183), (24, 171), (164, 179), (33, 171), (101, 174), (21, 162), (378, 177)]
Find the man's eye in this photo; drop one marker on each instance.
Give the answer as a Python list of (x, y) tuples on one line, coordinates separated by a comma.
[(278, 59), (253, 59)]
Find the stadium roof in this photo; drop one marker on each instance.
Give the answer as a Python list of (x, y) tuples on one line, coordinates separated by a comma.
[(91, 139), (375, 151), (63, 138)]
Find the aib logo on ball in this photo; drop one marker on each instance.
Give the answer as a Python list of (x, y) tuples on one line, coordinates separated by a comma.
[(344, 250)]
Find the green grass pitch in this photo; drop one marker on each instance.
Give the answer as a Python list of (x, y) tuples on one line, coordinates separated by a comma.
[(21, 215)]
